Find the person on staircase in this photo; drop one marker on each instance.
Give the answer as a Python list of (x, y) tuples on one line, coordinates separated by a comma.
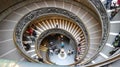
[(26, 45), (108, 4), (32, 33)]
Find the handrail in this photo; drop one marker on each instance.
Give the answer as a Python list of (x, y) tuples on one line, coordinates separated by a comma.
[(108, 61)]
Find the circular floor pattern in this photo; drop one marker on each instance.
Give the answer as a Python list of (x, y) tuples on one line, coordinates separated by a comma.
[(59, 46)]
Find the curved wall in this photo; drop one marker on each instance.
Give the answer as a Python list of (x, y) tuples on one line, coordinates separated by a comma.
[(5, 4)]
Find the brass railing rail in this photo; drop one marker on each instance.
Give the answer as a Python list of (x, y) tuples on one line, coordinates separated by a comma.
[(108, 61)]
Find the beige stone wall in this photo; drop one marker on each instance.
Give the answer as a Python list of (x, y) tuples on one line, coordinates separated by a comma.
[(4, 4)]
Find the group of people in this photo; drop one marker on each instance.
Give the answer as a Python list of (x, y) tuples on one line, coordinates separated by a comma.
[(110, 4), (77, 58), (57, 49), (116, 44), (70, 52), (54, 49), (31, 31), (29, 36)]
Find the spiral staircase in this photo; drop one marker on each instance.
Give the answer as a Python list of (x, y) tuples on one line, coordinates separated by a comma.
[(84, 20)]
